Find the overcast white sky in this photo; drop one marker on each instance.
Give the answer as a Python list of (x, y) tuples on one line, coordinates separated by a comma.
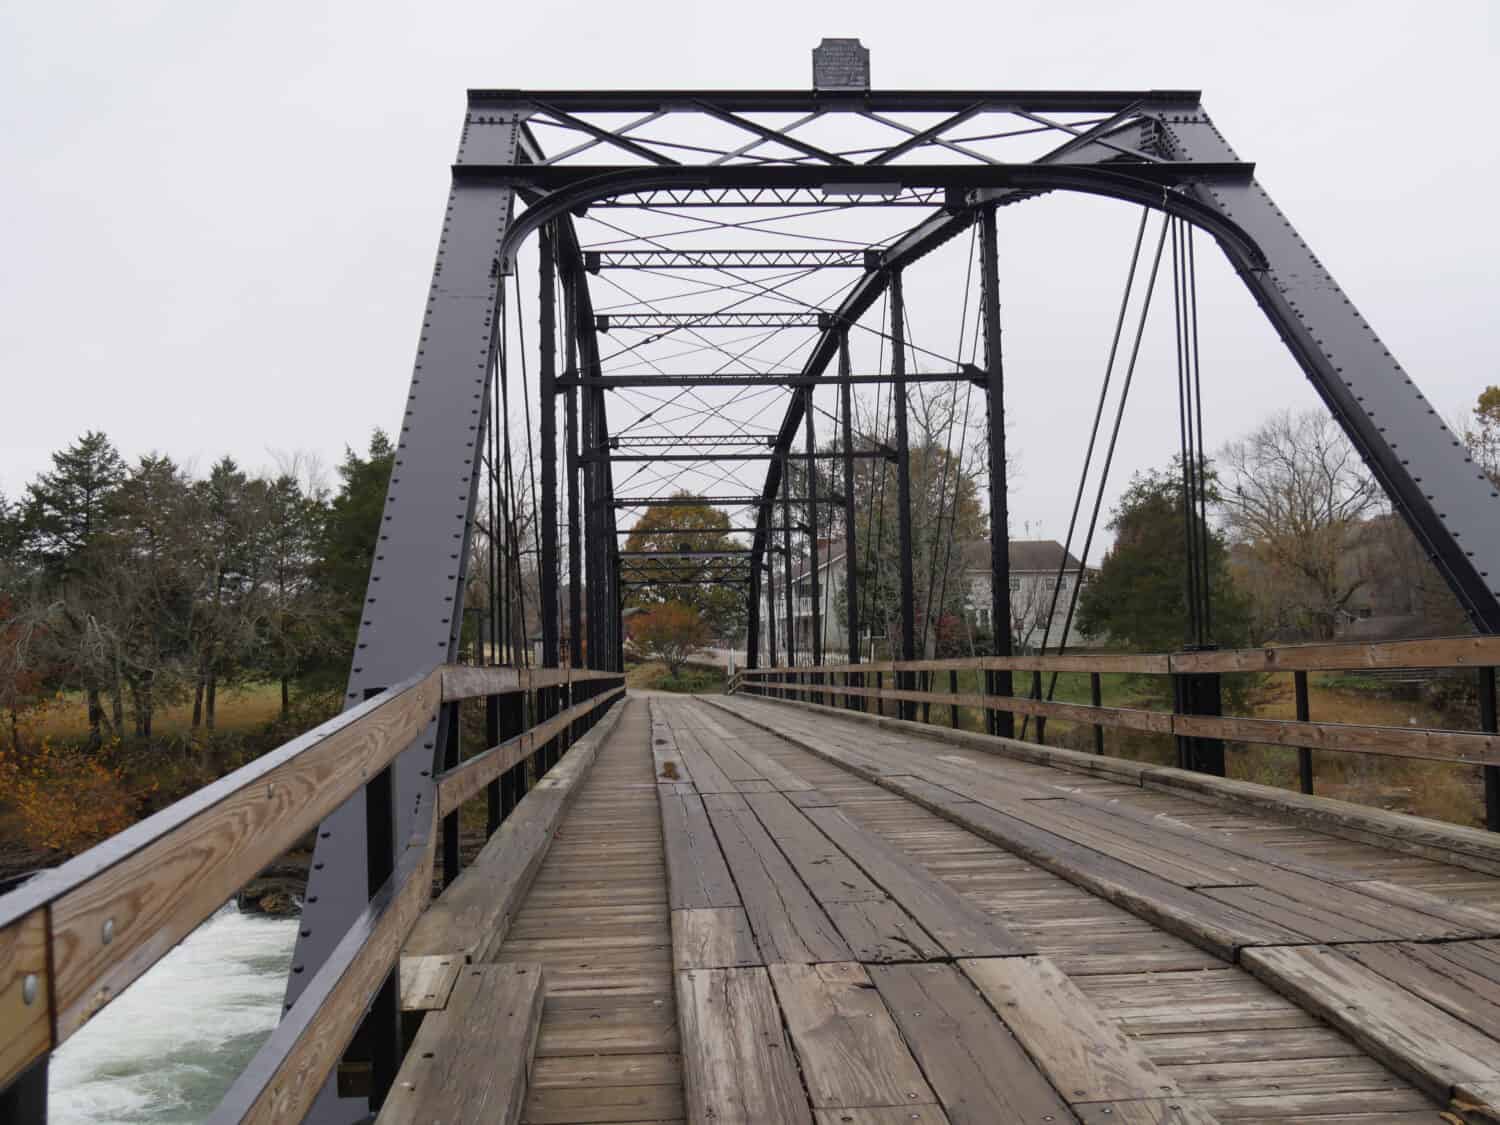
[(217, 220)]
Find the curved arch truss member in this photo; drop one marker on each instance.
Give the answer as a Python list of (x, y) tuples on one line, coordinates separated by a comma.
[(1156, 149)]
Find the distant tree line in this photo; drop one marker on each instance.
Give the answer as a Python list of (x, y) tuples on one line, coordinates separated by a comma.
[(141, 585)]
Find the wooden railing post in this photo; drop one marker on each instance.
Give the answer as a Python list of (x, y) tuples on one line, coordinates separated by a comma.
[(1041, 720), (953, 704)]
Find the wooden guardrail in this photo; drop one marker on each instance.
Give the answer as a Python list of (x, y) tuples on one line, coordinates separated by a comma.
[(912, 684), (74, 938)]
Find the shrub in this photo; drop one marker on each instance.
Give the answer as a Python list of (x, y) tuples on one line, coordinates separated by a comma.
[(66, 798)]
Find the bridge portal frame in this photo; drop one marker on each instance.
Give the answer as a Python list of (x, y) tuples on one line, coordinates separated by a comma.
[(1158, 149)]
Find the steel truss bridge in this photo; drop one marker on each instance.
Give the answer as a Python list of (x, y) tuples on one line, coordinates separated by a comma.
[(696, 281)]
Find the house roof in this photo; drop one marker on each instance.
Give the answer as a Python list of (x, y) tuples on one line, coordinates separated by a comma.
[(1036, 556)]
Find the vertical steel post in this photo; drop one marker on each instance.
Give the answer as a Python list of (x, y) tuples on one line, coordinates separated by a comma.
[(547, 517), (512, 723), (1036, 693), (1491, 773), (815, 642), (450, 822), (851, 550), (771, 603), (494, 795), (752, 619), (997, 683), (904, 710), (575, 523), (1096, 698), (380, 1033), (1304, 713), (786, 549), (24, 1101), (1198, 693)]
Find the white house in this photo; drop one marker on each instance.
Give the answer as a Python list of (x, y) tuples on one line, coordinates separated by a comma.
[(1034, 577)]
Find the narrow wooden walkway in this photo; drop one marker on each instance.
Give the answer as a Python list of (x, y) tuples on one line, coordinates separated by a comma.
[(753, 913), (596, 920)]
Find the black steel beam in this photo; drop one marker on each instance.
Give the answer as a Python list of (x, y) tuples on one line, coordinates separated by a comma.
[(816, 645), (851, 552), (999, 682), (483, 101), (547, 383), (646, 440), (767, 455), (725, 552), (669, 321), (626, 382), (903, 485), (854, 182), (696, 501), (669, 259)]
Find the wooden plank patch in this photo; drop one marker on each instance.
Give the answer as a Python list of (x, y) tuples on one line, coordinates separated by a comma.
[(427, 981), (956, 924), (884, 1115), (470, 1061), (697, 877), (851, 1053), (979, 1071), (1079, 1048), (1428, 972), (1161, 1111), (881, 932), (1413, 1037), (788, 923), (712, 939), (737, 1065)]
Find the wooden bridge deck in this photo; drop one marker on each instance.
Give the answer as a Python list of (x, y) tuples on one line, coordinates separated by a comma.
[(752, 912)]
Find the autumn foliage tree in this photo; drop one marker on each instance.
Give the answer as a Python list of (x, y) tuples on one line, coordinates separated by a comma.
[(673, 530), (671, 632)]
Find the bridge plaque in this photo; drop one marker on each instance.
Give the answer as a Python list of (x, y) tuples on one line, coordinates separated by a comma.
[(841, 64)]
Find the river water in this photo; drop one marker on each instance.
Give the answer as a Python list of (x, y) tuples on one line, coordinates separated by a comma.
[(167, 1049)]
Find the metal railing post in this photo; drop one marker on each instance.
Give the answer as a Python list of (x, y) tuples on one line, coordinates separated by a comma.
[(494, 792), (1304, 755), (1096, 699), (1199, 693), (24, 1101), (374, 1054), (1487, 723), (450, 822)]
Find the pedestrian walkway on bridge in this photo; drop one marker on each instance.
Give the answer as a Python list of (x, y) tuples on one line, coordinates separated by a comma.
[(759, 912)]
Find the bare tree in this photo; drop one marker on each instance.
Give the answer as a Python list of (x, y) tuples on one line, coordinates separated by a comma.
[(1298, 498)]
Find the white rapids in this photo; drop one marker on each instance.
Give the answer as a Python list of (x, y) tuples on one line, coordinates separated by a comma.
[(168, 1049)]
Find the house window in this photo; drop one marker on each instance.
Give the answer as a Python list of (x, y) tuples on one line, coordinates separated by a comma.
[(1015, 585)]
